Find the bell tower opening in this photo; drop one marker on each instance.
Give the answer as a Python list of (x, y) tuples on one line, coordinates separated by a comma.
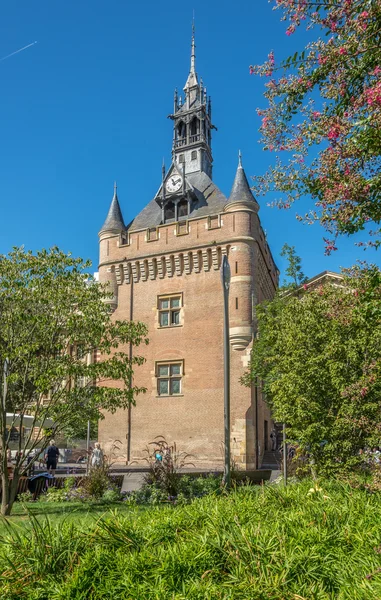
[(192, 136)]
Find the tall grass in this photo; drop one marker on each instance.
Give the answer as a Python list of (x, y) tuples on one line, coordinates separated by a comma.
[(268, 543)]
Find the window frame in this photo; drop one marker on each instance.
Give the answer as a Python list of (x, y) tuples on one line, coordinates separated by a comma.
[(169, 309), (214, 221), (169, 377)]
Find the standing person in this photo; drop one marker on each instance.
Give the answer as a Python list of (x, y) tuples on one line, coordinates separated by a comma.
[(273, 439), (51, 457), (97, 456)]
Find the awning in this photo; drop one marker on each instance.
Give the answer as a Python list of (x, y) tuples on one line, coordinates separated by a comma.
[(28, 421)]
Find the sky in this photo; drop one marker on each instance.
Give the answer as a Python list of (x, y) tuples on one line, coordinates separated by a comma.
[(88, 104)]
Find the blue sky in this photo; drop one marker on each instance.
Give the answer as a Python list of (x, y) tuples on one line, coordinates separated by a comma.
[(88, 104)]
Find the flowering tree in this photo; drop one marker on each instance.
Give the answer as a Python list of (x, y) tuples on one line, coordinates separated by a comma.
[(52, 316), (324, 116), (318, 354)]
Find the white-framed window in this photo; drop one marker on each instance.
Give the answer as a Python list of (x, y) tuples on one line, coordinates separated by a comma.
[(169, 378), (169, 308)]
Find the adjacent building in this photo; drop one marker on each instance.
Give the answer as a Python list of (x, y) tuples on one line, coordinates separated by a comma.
[(164, 269)]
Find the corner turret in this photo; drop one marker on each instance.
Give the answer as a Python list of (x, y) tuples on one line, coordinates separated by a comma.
[(240, 195), (114, 222)]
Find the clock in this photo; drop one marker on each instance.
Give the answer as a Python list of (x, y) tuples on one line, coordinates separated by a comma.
[(174, 184)]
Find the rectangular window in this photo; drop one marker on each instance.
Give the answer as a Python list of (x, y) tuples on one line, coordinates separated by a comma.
[(182, 228), (152, 234), (169, 376), (194, 155), (124, 239), (214, 222), (169, 310)]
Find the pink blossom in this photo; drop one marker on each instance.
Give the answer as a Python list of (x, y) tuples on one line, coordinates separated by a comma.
[(343, 51), (333, 133)]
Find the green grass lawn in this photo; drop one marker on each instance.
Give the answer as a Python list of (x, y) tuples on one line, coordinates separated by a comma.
[(269, 543), (80, 513)]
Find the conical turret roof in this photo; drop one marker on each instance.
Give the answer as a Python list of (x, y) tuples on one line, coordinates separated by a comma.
[(114, 220), (241, 191)]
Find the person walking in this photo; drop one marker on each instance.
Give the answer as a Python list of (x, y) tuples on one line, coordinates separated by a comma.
[(51, 457), (96, 456)]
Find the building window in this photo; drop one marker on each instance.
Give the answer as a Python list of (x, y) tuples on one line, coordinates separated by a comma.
[(214, 222), (194, 155), (181, 158), (152, 234), (182, 228), (169, 310), (169, 211), (123, 239), (182, 208), (169, 376)]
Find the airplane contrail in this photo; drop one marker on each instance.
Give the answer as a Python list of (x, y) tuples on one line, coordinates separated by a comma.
[(17, 51)]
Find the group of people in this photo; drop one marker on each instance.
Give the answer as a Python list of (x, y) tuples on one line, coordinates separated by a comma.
[(51, 458)]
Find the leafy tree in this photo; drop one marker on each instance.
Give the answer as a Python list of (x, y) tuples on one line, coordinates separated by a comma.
[(53, 314), (294, 269), (319, 357), (324, 113)]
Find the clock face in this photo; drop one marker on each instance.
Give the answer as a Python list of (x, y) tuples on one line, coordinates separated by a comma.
[(174, 183)]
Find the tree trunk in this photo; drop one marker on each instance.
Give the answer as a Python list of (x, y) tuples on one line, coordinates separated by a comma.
[(9, 491)]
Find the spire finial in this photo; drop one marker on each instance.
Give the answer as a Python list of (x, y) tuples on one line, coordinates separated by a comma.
[(239, 159), (115, 188), (163, 168)]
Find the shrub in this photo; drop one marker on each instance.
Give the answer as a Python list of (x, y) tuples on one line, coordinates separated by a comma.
[(111, 495), (55, 495), (96, 482), (164, 464)]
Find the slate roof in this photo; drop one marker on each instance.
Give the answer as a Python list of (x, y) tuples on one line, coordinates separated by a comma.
[(241, 190), (210, 202), (114, 220)]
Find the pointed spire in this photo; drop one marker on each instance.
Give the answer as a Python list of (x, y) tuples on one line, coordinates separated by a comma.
[(192, 77), (241, 190), (193, 51), (114, 221)]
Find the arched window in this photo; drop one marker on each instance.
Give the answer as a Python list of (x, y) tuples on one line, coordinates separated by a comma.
[(182, 209), (181, 130), (169, 211), (194, 126)]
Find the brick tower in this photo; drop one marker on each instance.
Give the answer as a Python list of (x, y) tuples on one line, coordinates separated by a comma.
[(163, 269)]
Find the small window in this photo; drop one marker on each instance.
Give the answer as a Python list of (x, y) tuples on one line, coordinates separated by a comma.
[(169, 376), (152, 234), (194, 155), (169, 211), (169, 310), (182, 209), (181, 158), (123, 239), (214, 222), (182, 228)]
